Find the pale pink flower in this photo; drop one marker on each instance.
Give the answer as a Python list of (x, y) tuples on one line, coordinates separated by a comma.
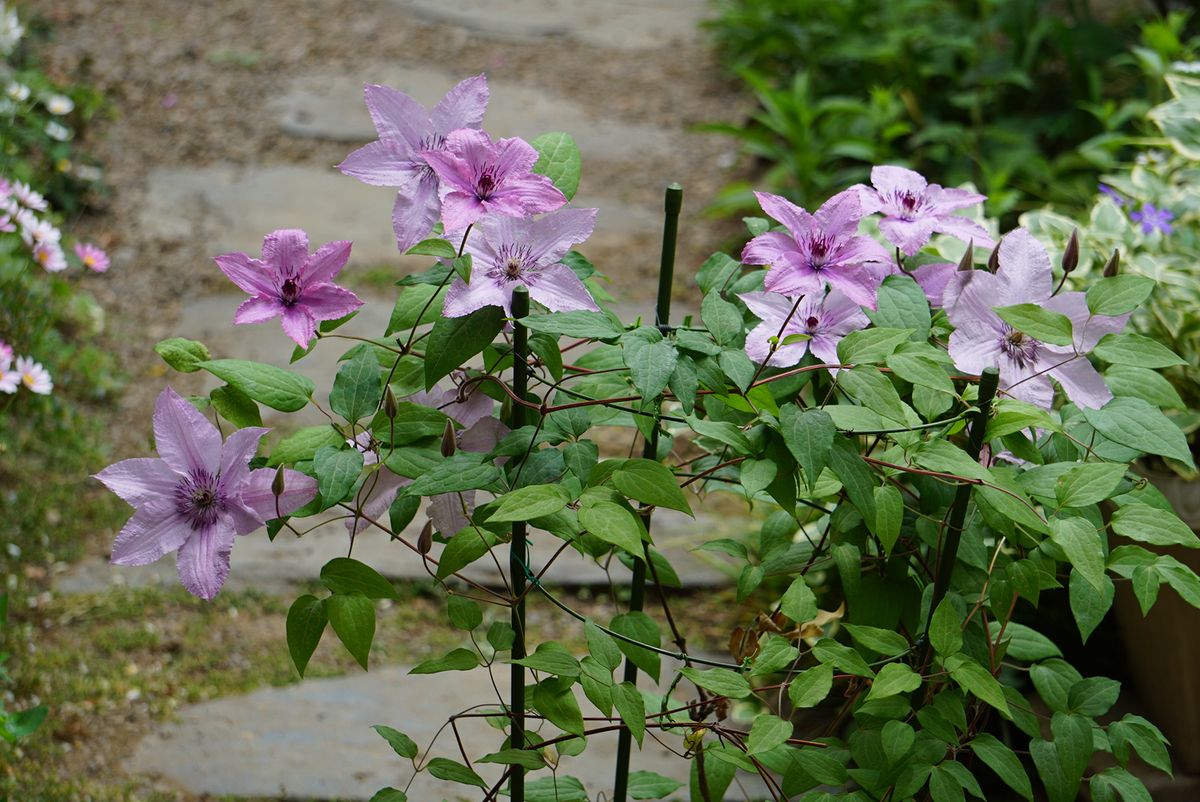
[(29, 197), (93, 257), (35, 230), (913, 209), (34, 376), (825, 320), (50, 256)]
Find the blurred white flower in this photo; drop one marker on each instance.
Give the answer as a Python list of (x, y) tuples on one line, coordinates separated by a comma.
[(17, 91), (11, 29), (59, 104), (1187, 67), (56, 131)]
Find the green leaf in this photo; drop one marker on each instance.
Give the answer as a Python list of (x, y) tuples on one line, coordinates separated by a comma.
[(799, 602), (613, 524), (1136, 350), (352, 617), (306, 621), (1151, 387), (580, 323), (650, 364), (559, 160), (1093, 696), (1023, 642), (602, 646), (722, 318), (455, 660), (464, 548), (974, 678), (531, 501), (902, 304), (303, 445), (1081, 543), (651, 483), (874, 391), (337, 469), (451, 771), (840, 656), (921, 371), (555, 700), (277, 388), (848, 466), (889, 516), (1134, 732), (1089, 605), (235, 406), (389, 794), (774, 654), (945, 629), (766, 733), (716, 272), (648, 785), (882, 641), (346, 575), (464, 613), (1002, 760), (555, 789), (404, 746), (871, 345), (185, 356), (632, 709), (896, 738), (455, 474), (808, 435), (643, 629), (528, 758), (357, 388), (454, 340), (1121, 781), (1089, 483), (944, 785), (501, 636), (892, 679), (724, 432), (1118, 294), (435, 246), (1053, 680), (1038, 322), (1134, 423), (810, 687), (737, 366), (720, 681), (1148, 524), (462, 267), (552, 658)]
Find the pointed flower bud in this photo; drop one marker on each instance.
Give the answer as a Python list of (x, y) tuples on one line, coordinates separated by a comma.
[(425, 539), (449, 443), (967, 262), (1113, 265), (1070, 258), (277, 482), (993, 263), (389, 403)]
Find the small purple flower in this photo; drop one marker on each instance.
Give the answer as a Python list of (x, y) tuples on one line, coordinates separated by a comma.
[(1112, 194), (507, 252), (913, 210), (1153, 219), (290, 284), (826, 320), (480, 177), (197, 496), (406, 132), (819, 250), (981, 339)]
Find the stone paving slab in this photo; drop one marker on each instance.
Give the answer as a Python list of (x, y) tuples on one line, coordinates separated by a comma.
[(612, 24), (324, 106), (314, 740)]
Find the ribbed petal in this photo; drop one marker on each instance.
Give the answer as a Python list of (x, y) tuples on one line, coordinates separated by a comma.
[(1024, 271), (256, 495), (560, 290), (863, 250), (299, 325), (553, 235), (509, 202), (236, 454), (396, 115), (889, 178), (462, 299), (243, 519), (840, 315), (155, 529), (1030, 387), (414, 214), (758, 346), (535, 194), (249, 274), (329, 301), (285, 251), (512, 158), (859, 284), (969, 297), (323, 265), (140, 481), (453, 170), (203, 561), (446, 511), (769, 307), (840, 214), (799, 222), (184, 438), (461, 209), (462, 107), (791, 277), (824, 348), (965, 229), (1086, 327), (907, 235), (868, 199), (1082, 384), (948, 199), (483, 434), (975, 346), (933, 279), (382, 486), (258, 309), (382, 163), (769, 248)]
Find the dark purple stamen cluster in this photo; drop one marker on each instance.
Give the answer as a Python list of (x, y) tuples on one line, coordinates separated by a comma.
[(486, 185), (511, 261), (198, 500), (289, 293), (1020, 348)]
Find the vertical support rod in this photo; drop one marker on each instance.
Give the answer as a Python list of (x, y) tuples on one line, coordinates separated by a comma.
[(518, 551), (989, 381), (637, 595)]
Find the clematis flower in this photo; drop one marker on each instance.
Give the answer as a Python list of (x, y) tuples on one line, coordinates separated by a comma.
[(507, 252), (290, 284), (1153, 219), (481, 177), (406, 132), (981, 339), (197, 495), (819, 250), (913, 209), (34, 376), (93, 257), (826, 320)]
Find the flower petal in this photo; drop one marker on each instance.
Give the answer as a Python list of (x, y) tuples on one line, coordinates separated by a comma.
[(907, 235), (258, 309), (933, 278), (447, 511), (382, 163), (185, 439), (560, 290), (795, 219), (758, 346), (248, 273), (257, 494), (858, 283), (285, 252), (483, 434), (382, 487), (552, 235), (462, 107), (1024, 270), (140, 481), (461, 209), (323, 265), (155, 529), (839, 215), (947, 199), (414, 213), (969, 295), (236, 454), (463, 299), (792, 277), (329, 301), (889, 178), (396, 115), (770, 248), (203, 561), (965, 229), (299, 325), (840, 315), (1082, 383), (974, 346), (770, 307), (1087, 328)]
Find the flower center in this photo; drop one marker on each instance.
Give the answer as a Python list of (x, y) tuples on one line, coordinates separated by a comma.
[(811, 324), (486, 185), (197, 499), (1020, 348), (820, 247), (512, 263), (909, 203), (289, 293)]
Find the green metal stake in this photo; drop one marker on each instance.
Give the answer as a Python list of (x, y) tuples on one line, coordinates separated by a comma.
[(637, 595), (518, 550)]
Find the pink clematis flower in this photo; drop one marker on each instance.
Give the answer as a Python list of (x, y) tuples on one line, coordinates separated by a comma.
[(480, 177), (406, 132), (197, 495), (290, 284), (826, 320), (507, 252), (981, 339), (913, 209), (819, 250), (93, 257)]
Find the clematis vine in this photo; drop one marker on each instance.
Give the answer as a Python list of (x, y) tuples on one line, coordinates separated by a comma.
[(479, 177), (508, 252), (407, 131), (819, 250), (913, 209), (290, 284), (982, 339), (197, 495), (823, 320)]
